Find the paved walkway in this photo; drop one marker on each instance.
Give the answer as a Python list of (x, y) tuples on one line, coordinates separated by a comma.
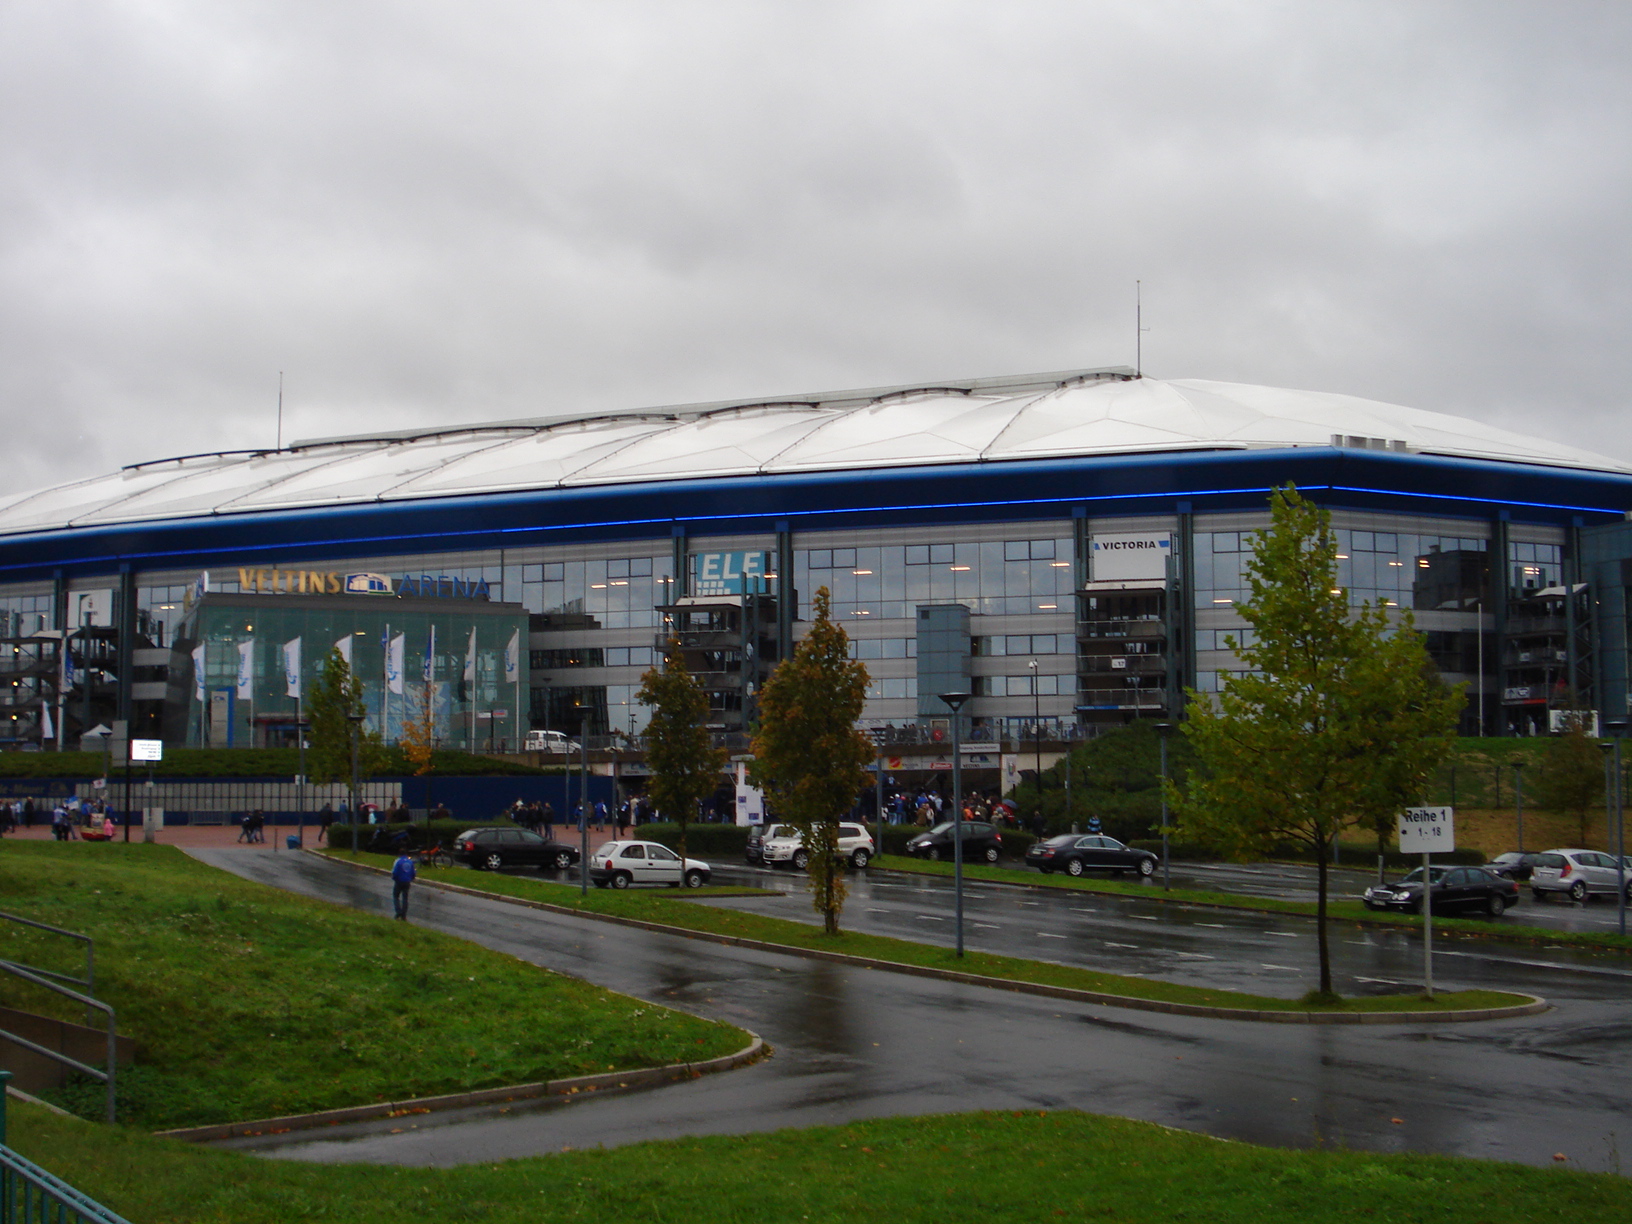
[(186, 836)]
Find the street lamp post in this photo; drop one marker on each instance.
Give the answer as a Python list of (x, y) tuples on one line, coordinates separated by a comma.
[(1161, 730), (1617, 726), (1037, 735), (955, 702), (1518, 798)]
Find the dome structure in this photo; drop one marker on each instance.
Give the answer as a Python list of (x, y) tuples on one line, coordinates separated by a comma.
[(1070, 415)]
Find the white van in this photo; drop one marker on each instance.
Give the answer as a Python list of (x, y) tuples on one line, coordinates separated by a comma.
[(549, 741)]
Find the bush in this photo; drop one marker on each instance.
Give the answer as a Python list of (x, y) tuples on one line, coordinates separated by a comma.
[(704, 841), (420, 834)]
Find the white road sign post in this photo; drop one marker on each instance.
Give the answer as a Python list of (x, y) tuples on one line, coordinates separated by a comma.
[(1427, 830)]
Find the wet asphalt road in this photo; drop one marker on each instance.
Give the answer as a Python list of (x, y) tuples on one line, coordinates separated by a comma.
[(856, 1043)]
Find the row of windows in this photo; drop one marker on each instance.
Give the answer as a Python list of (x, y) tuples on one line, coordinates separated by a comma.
[(883, 648), (1025, 644), (593, 656), (1023, 686)]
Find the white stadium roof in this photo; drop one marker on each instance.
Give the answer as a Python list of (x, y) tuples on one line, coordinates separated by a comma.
[(1046, 416)]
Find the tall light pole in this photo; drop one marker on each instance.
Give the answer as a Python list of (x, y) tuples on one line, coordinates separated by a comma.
[(955, 702), (1617, 726), (1161, 731), (1518, 797), (1037, 734)]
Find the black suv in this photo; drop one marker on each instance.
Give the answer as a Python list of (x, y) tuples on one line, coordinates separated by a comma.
[(982, 843)]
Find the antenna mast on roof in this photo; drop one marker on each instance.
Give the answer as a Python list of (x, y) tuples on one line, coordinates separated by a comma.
[(1139, 330), (280, 410)]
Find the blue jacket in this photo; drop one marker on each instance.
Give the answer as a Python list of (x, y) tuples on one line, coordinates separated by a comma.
[(402, 871)]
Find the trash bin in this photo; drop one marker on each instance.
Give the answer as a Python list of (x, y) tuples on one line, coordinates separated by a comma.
[(292, 841)]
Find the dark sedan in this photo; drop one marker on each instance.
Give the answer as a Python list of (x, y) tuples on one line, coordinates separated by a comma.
[(982, 843), (1075, 854), (501, 847), (1455, 890), (1513, 865)]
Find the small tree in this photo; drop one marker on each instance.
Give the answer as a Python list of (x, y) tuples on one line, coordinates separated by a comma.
[(1570, 775), (335, 699), (1336, 719), (419, 736), (808, 754), (685, 765)]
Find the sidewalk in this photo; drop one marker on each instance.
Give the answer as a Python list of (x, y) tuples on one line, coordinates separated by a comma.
[(185, 836)]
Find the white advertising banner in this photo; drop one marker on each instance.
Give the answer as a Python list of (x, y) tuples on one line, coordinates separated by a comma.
[(1138, 557)]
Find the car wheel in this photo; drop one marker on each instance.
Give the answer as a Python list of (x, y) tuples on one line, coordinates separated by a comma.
[(1074, 867), (1537, 895), (562, 860), (694, 879), (1578, 891), (860, 859), (801, 860), (492, 861), (1496, 905), (991, 854), (622, 879), (934, 854), (1147, 867), (1414, 907)]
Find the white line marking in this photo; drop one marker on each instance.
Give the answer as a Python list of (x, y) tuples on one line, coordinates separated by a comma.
[(994, 926), (1144, 917), (928, 918), (1047, 935), (1219, 925), (1195, 956), (1082, 909), (1283, 934), (1288, 968), (1109, 944), (1380, 981)]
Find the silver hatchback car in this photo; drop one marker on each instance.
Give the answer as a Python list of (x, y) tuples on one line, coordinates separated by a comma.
[(1578, 874)]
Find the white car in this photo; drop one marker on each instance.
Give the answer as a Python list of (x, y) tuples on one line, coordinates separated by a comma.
[(1578, 874), (784, 844), (619, 864), (549, 741)]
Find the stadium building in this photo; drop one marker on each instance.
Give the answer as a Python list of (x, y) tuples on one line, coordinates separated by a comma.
[(1066, 547)]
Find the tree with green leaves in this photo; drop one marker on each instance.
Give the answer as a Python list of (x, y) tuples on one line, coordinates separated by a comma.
[(685, 766), (1335, 719), (808, 755), (331, 705), (1570, 775)]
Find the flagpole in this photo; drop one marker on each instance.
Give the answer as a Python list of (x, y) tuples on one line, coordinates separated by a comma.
[(62, 683)]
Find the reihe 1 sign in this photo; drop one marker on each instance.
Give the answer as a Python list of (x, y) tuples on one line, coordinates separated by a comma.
[(146, 750), (1426, 830)]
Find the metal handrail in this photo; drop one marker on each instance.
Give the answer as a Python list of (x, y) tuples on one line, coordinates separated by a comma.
[(109, 1076), (89, 980), (29, 1193)]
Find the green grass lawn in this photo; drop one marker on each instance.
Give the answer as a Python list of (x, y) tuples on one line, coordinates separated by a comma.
[(1353, 911), (249, 1002), (674, 908), (984, 1168)]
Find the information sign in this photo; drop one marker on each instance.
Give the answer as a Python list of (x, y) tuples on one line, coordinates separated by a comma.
[(1426, 830), (146, 750)]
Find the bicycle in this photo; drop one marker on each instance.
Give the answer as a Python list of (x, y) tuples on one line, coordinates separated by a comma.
[(433, 856)]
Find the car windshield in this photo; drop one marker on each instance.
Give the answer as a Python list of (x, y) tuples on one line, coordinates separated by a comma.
[(1438, 874), (944, 827), (781, 831)]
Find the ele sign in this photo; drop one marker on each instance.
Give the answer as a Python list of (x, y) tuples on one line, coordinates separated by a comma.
[(1426, 830)]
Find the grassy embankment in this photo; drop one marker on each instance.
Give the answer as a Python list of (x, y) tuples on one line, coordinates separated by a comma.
[(1351, 911), (674, 908), (985, 1168), (248, 1002)]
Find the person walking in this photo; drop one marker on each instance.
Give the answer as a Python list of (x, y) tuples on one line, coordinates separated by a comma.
[(402, 879), (549, 821), (325, 818)]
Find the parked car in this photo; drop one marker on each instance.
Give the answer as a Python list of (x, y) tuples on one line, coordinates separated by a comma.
[(1513, 865), (501, 847), (1075, 854), (549, 741), (622, 863), (1578, 874), (981, 842), (754, 851), (784, 844), (1455, 890)]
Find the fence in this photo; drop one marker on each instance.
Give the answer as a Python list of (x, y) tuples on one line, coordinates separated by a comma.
[(28, 1193)]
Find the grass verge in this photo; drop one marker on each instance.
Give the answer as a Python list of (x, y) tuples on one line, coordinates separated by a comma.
[(673, 908), (249, 1002), (1013, 1167), (1348, 911)]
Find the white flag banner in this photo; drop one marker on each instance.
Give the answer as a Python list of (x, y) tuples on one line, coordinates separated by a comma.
[(198, 672), (394, 658), (291, 667), (430, 656), (246, 670), (512, 659), (344, 647), (47, 730), (470, 662)]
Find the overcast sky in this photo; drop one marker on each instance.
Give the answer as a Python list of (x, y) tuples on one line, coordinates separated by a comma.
[(429, 212)]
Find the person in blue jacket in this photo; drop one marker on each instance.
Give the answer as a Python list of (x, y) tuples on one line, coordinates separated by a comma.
[(402, 878)]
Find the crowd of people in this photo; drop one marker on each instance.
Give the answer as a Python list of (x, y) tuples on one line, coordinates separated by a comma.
[(71, 818)]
